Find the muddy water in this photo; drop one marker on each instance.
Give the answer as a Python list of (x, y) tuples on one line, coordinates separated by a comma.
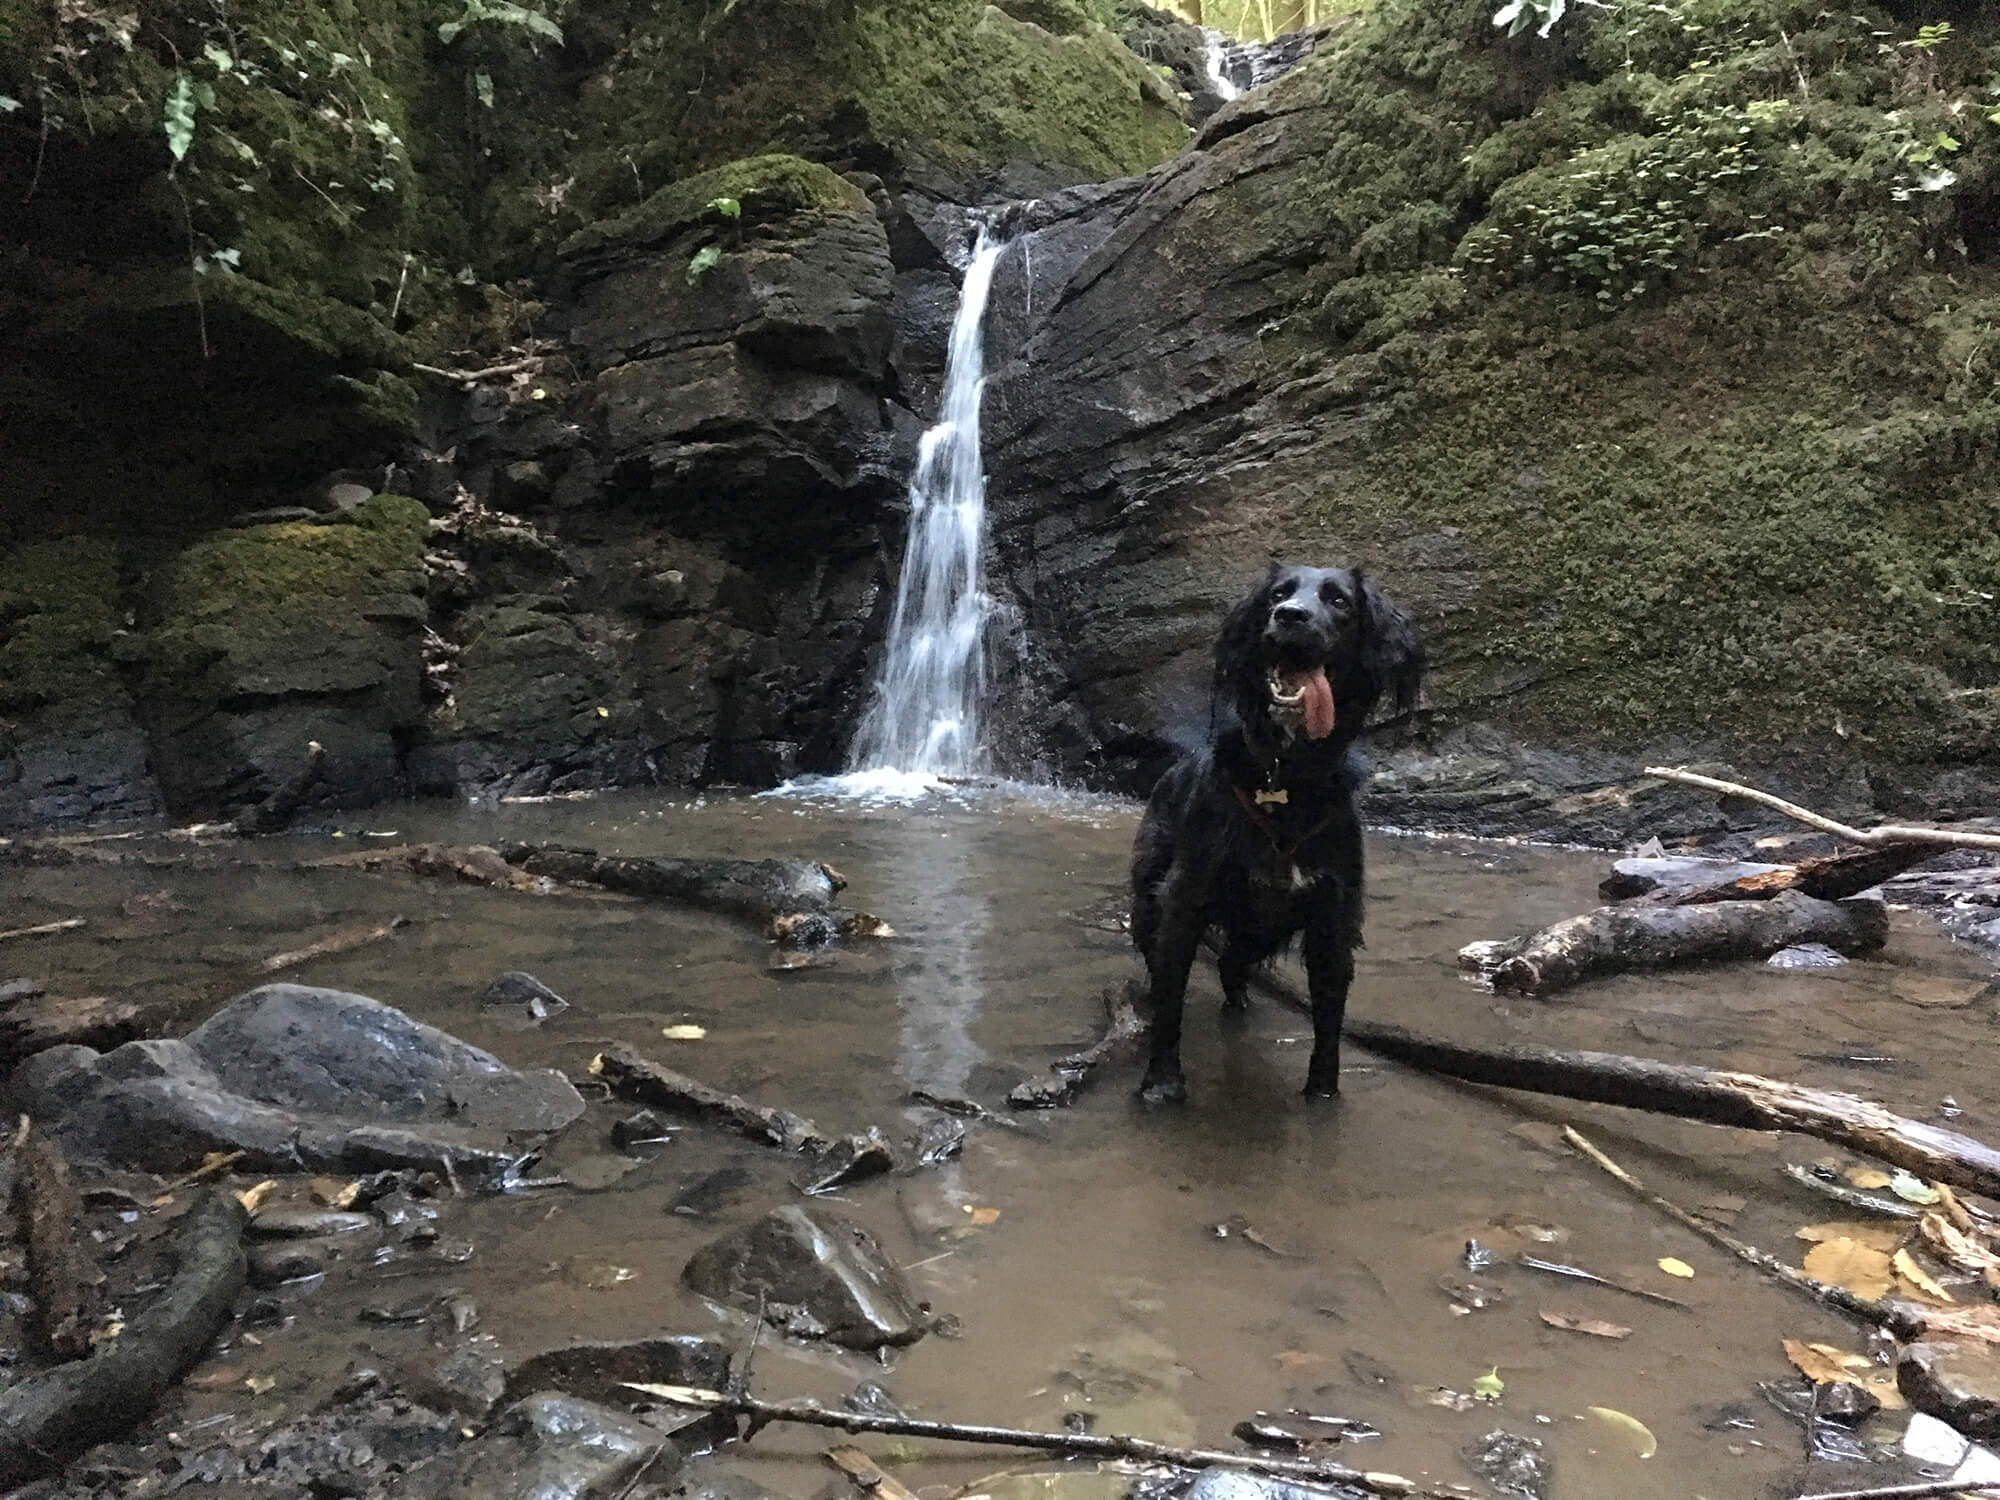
[(1100, 1284)]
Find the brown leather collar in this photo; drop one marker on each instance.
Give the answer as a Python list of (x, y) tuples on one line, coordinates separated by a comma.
[(1267, 826)]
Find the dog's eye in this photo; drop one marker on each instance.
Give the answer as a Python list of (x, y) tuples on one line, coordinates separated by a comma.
[(1331, 596), (1285, 590)]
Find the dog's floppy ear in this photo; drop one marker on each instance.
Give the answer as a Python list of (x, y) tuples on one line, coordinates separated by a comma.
[(1392, 655), (1236, 646)]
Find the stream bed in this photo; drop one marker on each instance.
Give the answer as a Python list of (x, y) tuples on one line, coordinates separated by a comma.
[(1079, 1253)]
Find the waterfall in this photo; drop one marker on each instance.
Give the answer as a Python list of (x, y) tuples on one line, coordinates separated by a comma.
[(1213, 50), (925, 717)]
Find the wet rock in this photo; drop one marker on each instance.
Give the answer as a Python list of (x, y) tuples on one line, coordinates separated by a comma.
[(849, 1159), (938, 1139), (1958, 1383), (547, 1447), (1232, 1484), (1513, 1465), (816, 1260), (291, 1223), (522, 1000), (643, 1128), (707, 1195), (1641, 875), (1805, 956), (720, 1484), (873, 1400), (294, 1077), (275, 1264), (600, 1372), (469, 1381), (398, 1210)]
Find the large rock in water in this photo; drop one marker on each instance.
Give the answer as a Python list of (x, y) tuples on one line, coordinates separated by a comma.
[(294, 1077), (817, 1262), (547, 1447)]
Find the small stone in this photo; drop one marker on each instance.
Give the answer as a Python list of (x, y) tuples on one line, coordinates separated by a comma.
[(307, 1223), (469, 1381), (1805, 956), (399, 1209), (641, 1129), (819, 1262), (1512, 1464), (346, 496), (274, 1264), (1956, 1383), (529, 1001)]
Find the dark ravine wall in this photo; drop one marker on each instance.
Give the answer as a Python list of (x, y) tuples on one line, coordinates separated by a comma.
[(1707, 476)]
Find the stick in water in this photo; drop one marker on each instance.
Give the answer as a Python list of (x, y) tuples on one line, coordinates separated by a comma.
[(1932, 1488)]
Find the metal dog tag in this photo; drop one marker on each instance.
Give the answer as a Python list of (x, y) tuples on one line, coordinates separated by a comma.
[(1280, 796)]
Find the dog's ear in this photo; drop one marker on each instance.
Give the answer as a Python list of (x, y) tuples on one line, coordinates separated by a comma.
[(1392, 654), (1242, 628)]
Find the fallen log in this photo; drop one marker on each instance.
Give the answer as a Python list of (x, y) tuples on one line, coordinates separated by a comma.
[(1618, 939), (475, 864), (48, 1418), (32, 1021), (1744, 1100), (1125, 1028), (1070, 1444), (1827, 877), (768, 892), (63, 1280)]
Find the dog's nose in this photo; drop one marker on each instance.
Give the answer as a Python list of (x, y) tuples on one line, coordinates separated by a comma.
[(1289, 613)]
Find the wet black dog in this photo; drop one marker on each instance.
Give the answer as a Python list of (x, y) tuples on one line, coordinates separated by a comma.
[(1255, 833)]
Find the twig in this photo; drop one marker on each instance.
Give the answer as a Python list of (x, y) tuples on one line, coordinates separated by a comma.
[(44, 929), (491, 372), (1888, 1208), (1912, 1491), (866, 1473), (1888, 833), (1836, 1297), (1075, 1444)]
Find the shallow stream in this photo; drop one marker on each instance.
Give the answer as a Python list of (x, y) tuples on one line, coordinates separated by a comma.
[(1079, 1252)]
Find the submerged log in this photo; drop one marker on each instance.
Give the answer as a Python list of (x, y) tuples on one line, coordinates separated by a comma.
[(48, 1418), (32, 1021), (765, 891), (62, 1278), (1617, 939), (1124, 1030)]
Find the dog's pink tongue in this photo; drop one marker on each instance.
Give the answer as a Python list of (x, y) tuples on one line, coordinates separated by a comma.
[(1318, 701)]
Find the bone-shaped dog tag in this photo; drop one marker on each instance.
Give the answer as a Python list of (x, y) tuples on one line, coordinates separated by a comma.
[(1279, 796)]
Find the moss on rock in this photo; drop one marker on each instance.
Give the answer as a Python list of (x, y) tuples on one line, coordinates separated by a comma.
[(59, 613)]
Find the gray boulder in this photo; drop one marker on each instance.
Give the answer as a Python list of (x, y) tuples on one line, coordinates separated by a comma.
[(295, 1077), (815, 1273)]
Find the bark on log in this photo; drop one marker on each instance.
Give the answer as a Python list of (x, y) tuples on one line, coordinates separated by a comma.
[(47, 1419), (31, 1022), (760, 890), (1124, 1029), (62, 1278), (648, 1082), (1617, 939), (1829, 877)]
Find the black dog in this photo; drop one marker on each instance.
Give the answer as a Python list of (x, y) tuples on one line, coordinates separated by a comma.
[(1255, 833)]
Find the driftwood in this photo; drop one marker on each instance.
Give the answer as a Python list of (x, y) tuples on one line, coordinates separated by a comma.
[(1826, 877), (868, 1476), (46, 1419), (1888, 833), (62, 1278), (647, 1082), (32, 1021), (1069, 1444), (43, 929), (1744, 1100), (1616, 939), (346, 940), (1125, 1028), (475, 864)]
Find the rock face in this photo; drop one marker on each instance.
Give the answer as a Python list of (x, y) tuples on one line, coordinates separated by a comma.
[(808, 1260), (294, 1077)]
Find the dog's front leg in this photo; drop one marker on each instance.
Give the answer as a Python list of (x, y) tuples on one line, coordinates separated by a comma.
[(1183, 916), (1329, 960)]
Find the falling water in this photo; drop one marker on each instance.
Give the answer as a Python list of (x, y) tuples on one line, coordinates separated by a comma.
[(1214, 45), (925, 717)]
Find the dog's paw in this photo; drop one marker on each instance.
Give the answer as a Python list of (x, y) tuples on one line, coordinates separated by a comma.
[(1322, 1083), (1234, 1004), (1164, 1088)]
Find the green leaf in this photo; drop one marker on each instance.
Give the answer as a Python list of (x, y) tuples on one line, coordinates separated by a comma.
[(8, 104), (729, 208), (177, 115), (483, 82), (703, 262), (1912, 1189), (1489, 1386), (221, 61)]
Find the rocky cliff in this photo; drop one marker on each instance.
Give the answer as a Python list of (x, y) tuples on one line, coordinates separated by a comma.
[(1651, 361)]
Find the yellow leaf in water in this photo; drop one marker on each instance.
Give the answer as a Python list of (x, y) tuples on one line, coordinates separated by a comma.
[(1823, 1364), (258, 1384), (1878, 1234), (1918, 1277), (1867, 1177), (1489, 1386), (1673, 1266), (1862, 1269), (982, 1216), (684, 1033), (603, 713), (252, 1198), (1643, 1441)]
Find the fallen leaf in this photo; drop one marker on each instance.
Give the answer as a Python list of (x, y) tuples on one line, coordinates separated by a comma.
[(1291, 1361), (256, 1385), (1595, 1326), (1867, 1177), (1824, 1364), (1954, 1246), (1643, 1441), (1489, 1386), (331, 1192), (252, 1198), (1673, 1266), (1918, 1277), (684, 1033), (1862, 1269), (1912, 1189), (1954, 1210), (982, 1216), (1981, 1323), (1877, 1234)]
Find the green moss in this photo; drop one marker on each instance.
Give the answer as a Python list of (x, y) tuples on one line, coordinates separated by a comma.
[(764, 188), (59, 612), (269, 610)]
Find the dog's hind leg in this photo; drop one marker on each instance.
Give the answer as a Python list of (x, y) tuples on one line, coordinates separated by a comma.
[(1183, 916), (1329, 971)]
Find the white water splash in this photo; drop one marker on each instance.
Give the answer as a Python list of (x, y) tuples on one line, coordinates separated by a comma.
[(1214, 47), (924, 723)]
